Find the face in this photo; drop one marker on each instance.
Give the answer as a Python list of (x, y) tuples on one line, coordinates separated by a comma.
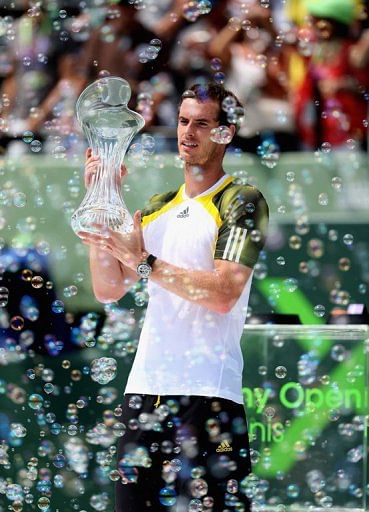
[(195, 122)]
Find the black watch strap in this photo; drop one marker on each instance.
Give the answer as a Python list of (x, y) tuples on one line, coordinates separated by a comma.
[(151, 259)]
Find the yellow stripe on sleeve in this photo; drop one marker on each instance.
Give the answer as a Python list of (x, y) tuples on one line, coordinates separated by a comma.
[(177, 199)]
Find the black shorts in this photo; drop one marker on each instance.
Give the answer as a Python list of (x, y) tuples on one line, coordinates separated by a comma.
[(181, 451)]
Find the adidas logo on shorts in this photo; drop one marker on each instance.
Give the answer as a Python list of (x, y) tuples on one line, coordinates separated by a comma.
[(224, 447), (184, 213)]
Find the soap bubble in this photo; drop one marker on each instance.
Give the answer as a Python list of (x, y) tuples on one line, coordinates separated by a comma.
[(336, 183), (128, 473), (156, 43), (293, 491), (4, 296), (37, 282), (70, 291), (235, 23), (351, 144), (344, 264), (17, 323), (332, 235), (246, 25), (148, 143), (36, 146), (26, 61), (262, 61), (295, 242), (280, 372), (216, 64), (204, 6), (348, 239), (20, 200), (262, 370), (362, 288), (235, 115), (228, 102), (57, 306), (221, 135), (319, 310), (338, 353), (64, 36), (195, 505), (315, 248), (323, 199), (103, 73), (135, 402), (290, 284), (290, 176), (219, 77), (28, 137), (260, 271), (191, 10), (59, 152), (167, 496), (326, 147), (99, 502), (103, 370), (18, 430), (269, 153), (43, 248), (35, 401)]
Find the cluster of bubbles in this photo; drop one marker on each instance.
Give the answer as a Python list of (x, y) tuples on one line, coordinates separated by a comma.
[(235, 113), (140, 153), (192, 9), (221, 135), (149, 52), (269, 153), (103, 370), (216, 66), (145, 105)]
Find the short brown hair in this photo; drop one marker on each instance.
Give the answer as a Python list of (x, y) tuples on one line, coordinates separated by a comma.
[(213, 92)]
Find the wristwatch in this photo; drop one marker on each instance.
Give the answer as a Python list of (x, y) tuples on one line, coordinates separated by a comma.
[(144, 268)]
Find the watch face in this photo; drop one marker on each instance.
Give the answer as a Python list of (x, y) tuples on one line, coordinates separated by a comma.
[(143, 270)]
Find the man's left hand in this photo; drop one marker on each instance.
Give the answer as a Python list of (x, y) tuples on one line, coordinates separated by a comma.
[(129, 248)]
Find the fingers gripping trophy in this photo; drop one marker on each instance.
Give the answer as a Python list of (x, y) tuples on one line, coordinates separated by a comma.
[(109, 126)]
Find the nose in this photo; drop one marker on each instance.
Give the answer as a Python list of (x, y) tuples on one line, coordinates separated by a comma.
[(190, 129)]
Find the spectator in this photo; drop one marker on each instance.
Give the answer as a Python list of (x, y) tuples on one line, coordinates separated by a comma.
[(330, 103), (359, 55), (121, 47), (256, 69), (59, 106), (32, 70)]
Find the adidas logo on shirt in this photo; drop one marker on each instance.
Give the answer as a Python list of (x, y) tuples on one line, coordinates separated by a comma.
[(224, 447), (184, 213)]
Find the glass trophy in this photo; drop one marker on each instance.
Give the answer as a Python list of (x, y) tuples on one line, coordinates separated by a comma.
[(109, 126)]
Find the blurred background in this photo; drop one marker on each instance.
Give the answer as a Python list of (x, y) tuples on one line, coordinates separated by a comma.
[(300, 69)]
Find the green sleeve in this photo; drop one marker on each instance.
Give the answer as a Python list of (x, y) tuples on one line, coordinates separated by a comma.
[(241, 236)]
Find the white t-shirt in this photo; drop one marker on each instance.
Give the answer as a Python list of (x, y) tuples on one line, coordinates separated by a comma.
[(184, 348)]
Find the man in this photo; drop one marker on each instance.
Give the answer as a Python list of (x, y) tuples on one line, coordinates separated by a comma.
[(186, 441)]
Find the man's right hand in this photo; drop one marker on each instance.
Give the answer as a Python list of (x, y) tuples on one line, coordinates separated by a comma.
[(91, 167)]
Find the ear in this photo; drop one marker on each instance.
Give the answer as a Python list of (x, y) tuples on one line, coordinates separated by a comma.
[(232, 129)]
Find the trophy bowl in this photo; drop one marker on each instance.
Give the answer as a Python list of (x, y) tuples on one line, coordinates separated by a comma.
[(109, 126)]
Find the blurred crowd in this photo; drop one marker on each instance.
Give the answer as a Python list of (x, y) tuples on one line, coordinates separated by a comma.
[(299, 67)]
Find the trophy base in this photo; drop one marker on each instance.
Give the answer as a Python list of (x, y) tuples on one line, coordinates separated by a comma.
[(93, 219)]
